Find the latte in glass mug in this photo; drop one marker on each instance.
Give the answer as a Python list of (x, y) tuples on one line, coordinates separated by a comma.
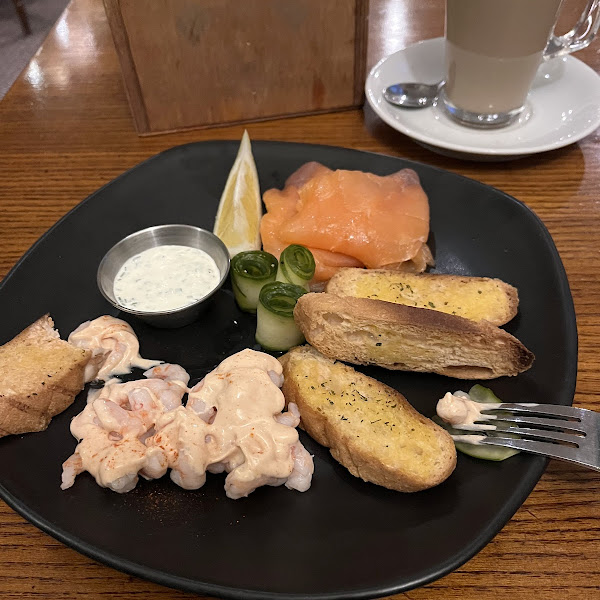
[(492, 52)]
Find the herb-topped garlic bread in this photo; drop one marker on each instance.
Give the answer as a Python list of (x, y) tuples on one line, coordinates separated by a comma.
[(373, 332), (475, 298), (369, 427), (40, 375)]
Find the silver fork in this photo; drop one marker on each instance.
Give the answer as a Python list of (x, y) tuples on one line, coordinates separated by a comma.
[(562, 432)]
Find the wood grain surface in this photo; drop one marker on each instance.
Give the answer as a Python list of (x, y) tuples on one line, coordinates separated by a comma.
[(66, 129)]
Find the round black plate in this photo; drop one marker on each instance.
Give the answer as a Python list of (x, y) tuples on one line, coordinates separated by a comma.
[(344, 538)]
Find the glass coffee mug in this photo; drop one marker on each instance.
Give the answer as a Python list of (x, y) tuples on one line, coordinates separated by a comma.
[(493, 49)]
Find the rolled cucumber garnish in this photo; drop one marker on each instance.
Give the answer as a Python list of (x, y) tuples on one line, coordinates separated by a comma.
[(296, 266), (275, 326), (479, 393), (251, 270)]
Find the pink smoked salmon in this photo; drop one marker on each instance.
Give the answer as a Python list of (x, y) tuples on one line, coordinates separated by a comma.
[(350, 219)]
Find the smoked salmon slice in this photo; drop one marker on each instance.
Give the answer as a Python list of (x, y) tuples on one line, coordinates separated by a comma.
[(350, 219)]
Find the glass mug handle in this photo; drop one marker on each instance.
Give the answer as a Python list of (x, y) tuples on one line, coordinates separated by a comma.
[(579, 37)]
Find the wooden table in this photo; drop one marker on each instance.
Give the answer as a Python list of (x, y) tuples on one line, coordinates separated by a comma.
[(65, 130)]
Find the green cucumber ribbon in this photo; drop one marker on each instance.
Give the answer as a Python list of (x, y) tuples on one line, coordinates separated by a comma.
[(296, 266), (251, 270), (276, 329)]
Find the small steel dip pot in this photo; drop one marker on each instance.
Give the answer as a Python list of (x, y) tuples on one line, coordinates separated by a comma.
[(163, 235)]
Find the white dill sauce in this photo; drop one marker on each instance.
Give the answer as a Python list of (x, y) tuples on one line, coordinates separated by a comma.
[(165, 278)]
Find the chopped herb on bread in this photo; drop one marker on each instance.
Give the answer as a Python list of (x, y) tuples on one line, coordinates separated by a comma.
[(369, 427), (475, 298)]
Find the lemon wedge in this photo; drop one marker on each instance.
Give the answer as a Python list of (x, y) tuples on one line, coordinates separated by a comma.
[(238, 217)]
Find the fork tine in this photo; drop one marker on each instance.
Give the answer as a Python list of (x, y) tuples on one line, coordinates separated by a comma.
[(559, 451), (553, 424), (541, 434), (566, 433), (541, 409)]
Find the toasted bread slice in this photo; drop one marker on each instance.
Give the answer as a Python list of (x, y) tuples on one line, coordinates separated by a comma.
[(373, 332), (40, 375), (369, 427), (475, 298)]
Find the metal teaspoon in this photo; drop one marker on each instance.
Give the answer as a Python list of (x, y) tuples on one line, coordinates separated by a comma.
[(412, 95)]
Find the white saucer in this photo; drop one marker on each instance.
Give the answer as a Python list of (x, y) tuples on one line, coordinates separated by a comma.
[(563, 107)]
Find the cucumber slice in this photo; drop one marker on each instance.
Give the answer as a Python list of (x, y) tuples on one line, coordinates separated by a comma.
[(479, 393), (296, 266), (276, 329), (496, 453), (250, 270)]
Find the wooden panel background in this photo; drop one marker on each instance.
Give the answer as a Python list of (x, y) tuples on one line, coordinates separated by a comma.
[(200, 62)]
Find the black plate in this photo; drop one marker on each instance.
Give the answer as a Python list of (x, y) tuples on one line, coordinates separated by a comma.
[(344, 538)]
